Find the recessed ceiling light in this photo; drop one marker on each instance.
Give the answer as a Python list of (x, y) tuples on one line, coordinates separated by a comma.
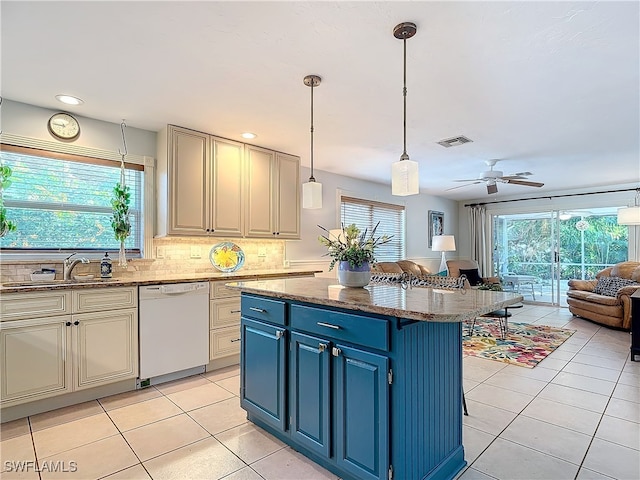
[(249, 135), (69, 99)]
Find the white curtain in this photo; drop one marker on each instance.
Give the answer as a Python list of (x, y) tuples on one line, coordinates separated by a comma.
[(480, 240)]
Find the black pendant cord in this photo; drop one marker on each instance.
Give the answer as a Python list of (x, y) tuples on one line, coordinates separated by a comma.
[(311, 178)]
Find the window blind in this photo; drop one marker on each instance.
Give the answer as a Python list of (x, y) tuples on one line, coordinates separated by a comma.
[(63, 202), (367, 213)]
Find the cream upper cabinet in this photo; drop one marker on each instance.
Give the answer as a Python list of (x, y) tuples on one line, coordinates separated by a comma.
[(273, 194), (226, 199), (199, 184)]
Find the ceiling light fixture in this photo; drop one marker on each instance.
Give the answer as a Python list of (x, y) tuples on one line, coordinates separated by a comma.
[(312, 190), (69, 99), (249, 135), (630, 215), (404, 173)]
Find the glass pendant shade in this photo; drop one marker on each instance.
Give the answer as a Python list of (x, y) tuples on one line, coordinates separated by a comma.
[(629, 215), (404, 178), (312, 195)]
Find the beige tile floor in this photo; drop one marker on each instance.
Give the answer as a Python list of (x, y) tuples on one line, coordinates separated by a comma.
[(574, 416)]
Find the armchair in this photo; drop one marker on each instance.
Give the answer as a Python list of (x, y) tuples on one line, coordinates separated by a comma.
[(455, 266), (613, 307)]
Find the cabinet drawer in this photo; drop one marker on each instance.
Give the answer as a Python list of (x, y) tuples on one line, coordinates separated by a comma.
[(224, 312), (356, 329), (224, 342), (15, 306), (99, 299), (263, 309), (218, 290)]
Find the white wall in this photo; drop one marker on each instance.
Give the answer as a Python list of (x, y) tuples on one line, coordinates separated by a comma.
[(308, 250), (546, 204), (31, 121)]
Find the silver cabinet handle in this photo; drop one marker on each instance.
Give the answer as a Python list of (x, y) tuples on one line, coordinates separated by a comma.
[(322, 347), (336, 352), (256, 309), (279, 334), (236, 340), (328, 325), (235, 311)]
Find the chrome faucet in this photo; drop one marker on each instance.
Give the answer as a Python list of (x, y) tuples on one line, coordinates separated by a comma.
[(69, 265)]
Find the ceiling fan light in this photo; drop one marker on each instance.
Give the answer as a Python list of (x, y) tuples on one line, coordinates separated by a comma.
[(312, 195), (405, 178)]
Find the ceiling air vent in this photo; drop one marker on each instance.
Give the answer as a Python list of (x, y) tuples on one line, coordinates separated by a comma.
[(455, 141)]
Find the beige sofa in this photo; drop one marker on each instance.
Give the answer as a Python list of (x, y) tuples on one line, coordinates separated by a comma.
[(614, 311), (401, 266)]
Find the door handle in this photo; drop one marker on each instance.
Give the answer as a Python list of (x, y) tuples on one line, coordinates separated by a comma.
[(336, 352), (328, 325), (279, 334), (235, 311), (322, 347), (236, 340), (256, 309)]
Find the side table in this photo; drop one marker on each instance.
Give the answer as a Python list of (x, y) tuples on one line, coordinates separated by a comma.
[(635, 324)]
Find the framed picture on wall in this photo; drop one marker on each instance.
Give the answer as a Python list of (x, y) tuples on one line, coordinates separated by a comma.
[(436, 225)]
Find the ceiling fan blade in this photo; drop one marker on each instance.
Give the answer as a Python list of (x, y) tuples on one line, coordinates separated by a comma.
[(460, 186), (521, 174), (525, 182), (514, 177), (474, 180)]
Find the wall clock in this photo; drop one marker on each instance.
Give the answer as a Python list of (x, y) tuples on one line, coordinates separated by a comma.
[(64, 126)]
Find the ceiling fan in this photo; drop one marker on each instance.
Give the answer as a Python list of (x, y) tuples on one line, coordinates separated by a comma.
[(492, 177)]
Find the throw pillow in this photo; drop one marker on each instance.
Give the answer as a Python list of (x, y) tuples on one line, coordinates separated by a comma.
[(473, 276), (609, 286)]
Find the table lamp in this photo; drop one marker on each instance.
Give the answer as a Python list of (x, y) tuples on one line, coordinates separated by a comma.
[(443, 243)]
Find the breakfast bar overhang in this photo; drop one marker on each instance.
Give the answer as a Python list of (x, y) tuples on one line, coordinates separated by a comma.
[(366, 382)]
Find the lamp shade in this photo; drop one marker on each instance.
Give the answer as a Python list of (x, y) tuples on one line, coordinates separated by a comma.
[(404, 178), (443, 243), (312, 195), (629, 215)]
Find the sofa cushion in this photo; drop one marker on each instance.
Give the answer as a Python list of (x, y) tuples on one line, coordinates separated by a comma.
[(472, 275), (609, 286), (594, 298), (624, 270)]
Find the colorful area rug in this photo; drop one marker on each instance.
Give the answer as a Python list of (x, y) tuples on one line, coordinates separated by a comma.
[(526, 344)]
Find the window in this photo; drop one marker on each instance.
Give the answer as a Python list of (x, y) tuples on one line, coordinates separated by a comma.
[(366, 214), (63, 202)]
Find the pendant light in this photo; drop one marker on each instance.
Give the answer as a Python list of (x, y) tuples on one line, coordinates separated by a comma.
[(312, 190), (404, 173), (630, 215)]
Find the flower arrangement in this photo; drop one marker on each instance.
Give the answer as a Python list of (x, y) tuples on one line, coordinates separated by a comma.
[(351, 245), (495, 287)]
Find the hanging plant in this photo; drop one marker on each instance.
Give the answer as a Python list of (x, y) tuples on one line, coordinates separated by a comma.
[(6, 225), (120, 204)]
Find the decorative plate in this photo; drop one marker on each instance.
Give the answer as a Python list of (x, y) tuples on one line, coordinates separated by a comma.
[(226, 257)]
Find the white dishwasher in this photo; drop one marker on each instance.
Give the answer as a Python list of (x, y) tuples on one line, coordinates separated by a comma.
[(174, 331)]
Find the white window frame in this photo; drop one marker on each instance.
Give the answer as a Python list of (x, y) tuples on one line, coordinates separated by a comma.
[(148, 198)]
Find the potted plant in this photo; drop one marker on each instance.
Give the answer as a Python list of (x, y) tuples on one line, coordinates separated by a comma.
[(6, 225), (353, 251), (120, 219)]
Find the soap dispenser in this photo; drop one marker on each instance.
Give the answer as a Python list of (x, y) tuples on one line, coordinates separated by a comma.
[(105, 266)]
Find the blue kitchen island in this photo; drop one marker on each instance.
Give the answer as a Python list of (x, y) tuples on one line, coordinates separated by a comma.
[(367, 382)]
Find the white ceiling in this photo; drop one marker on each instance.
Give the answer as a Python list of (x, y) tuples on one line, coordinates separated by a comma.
[(546, 87)]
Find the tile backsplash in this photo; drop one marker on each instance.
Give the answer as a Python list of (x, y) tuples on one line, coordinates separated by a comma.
[(179, 255)]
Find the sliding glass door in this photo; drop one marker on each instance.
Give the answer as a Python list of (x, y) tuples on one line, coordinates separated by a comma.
[(536, 254)]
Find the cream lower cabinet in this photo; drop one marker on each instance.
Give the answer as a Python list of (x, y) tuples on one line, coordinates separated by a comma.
[(46, 355), (224, 326)]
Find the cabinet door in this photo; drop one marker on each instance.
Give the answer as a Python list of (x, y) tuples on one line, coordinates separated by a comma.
[(309, 384), (105, 347), (288, 201), (260, 192), (262, 368), (188, 189), (361, 412), (34, 361), (226, 187)]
